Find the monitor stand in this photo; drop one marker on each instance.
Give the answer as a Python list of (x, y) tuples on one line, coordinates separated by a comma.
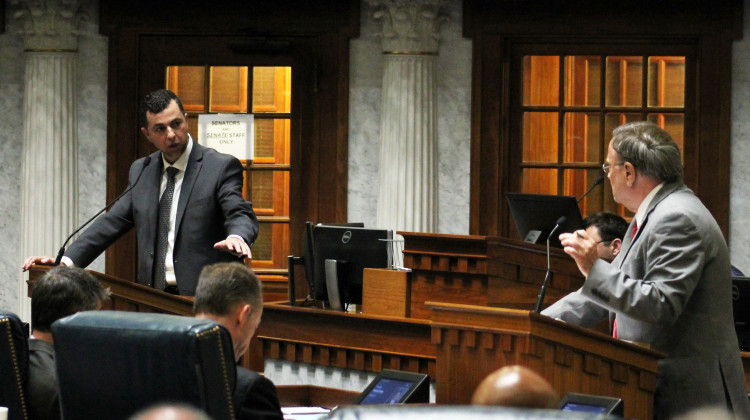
[(332, 285)]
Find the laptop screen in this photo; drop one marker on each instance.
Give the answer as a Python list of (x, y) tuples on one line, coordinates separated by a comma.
[(387, 391), (587, 403), (584, 408), (396, 387)]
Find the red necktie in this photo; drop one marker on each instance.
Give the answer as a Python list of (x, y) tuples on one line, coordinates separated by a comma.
[(635, 229), (614, 328)]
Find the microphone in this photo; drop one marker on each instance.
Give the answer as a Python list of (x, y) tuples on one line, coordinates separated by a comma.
[(597, 182), (60, 253), (540, 297)]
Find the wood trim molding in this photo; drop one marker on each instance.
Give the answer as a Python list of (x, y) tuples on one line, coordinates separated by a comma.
[(313, 36), (495, 26)]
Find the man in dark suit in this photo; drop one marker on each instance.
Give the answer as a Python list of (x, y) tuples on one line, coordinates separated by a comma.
[(670, 286), (607, 230), (187, 210), (230, 294), (62, 291)]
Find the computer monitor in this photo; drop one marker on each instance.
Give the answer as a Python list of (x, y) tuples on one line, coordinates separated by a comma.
[(340, 255), (592, 404), (536, 215), (741, 310), (396, 387)]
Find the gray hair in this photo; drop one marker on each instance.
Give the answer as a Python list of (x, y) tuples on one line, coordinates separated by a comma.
[(650, 149)]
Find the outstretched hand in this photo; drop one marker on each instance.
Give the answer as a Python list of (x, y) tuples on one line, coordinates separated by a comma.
[(235, 246), (582, 248), (43, 260)]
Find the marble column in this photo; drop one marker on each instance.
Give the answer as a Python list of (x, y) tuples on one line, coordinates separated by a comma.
[(49, 185), (408, 177)]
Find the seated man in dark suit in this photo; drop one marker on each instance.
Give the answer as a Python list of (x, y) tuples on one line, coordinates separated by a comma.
[(61, 292), (607, 230), (230, 294)]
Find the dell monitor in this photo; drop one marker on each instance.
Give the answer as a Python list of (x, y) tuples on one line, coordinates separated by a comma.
[(340, 255), (537, 214)]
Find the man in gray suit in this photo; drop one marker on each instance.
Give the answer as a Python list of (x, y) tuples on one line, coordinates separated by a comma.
[(186, 206), (670, 285)]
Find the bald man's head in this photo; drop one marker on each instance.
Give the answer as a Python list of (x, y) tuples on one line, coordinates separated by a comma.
[(515, 386)]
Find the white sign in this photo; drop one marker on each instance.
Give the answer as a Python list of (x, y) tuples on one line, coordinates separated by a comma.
[(233, 134)]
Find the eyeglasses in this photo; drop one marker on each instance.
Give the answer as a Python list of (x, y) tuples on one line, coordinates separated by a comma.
[(605, 243), (606, 166)]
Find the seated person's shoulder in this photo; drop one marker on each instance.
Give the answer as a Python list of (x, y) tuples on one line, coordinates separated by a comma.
[(255, 396), (41, 385)]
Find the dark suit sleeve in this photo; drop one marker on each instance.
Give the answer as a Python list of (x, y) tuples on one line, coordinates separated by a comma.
[(105, 230), (239, 217), (255, 397)]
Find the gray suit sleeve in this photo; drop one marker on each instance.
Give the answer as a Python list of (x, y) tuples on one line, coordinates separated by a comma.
[(671, 259), (575, 308)]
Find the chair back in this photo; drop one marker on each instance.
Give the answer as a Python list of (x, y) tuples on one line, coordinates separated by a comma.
[(112, 364), (14, 365)]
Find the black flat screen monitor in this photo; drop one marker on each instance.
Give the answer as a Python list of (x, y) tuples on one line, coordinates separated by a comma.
[(536, 215), (353, 249), (396, 387), (741, 310), (592, 404)]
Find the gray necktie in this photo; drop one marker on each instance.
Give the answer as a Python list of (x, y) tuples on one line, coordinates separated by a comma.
[(162, 241)]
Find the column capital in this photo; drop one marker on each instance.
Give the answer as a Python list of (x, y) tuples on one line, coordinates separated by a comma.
[(410, 26), (49, 25)]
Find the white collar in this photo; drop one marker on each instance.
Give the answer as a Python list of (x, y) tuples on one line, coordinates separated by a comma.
[(641, 213), (182, 161)]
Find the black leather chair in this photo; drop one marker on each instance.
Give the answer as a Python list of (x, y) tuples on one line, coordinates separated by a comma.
[(14, 365), (111, 364)]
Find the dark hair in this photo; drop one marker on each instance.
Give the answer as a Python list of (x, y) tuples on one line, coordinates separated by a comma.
[(156, 102), (650, 149), (610, 225), (223, 286), (63, 291)]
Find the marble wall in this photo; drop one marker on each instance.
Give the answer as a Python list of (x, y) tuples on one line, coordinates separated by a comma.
[(91, 83), (454, 76), (454, 82)]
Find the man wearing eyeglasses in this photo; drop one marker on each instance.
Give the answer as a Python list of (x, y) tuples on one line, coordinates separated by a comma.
[(670, 285), (607, 230)]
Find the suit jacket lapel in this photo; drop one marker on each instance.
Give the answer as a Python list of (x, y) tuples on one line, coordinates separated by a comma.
[(152, 186), (193, 169)]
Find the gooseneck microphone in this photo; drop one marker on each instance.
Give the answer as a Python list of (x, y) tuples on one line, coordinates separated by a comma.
[(540, 297), (60, 253), (597, 182)]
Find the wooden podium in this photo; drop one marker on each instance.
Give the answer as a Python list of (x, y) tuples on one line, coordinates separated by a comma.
[(473, 341), (130, 296)]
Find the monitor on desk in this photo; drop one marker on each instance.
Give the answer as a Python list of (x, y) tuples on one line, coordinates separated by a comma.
[(396, 387), (340, 256), (592, 404), (741, 310), (536, 215)]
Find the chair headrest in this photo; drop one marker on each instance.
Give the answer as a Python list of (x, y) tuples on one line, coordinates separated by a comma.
[(133, 360), (14, 359)]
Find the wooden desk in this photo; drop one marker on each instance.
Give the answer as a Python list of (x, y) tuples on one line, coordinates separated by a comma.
[(344, 340), (482, 270), (462, 344), (447, 269)]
